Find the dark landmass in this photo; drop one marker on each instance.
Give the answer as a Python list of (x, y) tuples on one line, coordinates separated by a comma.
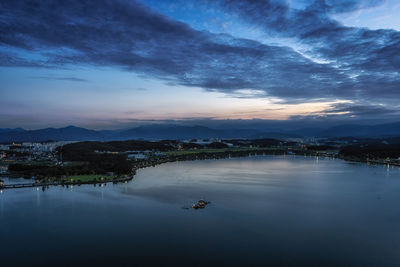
[(381, 130), (69, 133), (371, 152), (320, 147), (176, 132), (79, 162), (89, 158), (92, 164)]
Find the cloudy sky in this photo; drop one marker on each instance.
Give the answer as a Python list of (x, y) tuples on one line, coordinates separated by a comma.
[(109, 64)]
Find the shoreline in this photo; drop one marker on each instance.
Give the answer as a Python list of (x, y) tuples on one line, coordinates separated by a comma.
[(154, 161), (55, 183)]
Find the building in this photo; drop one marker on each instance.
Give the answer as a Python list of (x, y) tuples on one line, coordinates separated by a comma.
[(4, 147), (137, 156)]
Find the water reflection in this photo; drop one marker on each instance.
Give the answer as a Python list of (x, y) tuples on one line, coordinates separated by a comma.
[(277, 210)]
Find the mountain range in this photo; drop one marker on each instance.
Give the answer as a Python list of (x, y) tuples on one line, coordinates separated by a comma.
[(166, 131)]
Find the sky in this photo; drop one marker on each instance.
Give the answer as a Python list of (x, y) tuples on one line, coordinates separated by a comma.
[(113, 64)]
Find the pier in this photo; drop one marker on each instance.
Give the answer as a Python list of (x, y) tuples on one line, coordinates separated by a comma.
[(9, 186), (27, 185)]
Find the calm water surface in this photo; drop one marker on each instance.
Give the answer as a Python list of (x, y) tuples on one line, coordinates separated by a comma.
[(265, 210)]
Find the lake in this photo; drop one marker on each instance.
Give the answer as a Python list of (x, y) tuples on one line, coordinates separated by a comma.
[(275, 210)]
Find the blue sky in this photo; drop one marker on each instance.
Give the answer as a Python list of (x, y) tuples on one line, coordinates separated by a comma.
[(111, 64)]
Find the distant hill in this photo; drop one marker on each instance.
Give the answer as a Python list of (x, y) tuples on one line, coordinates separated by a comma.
[(7, 130), (276, 135), (70, 133), (381, 130), (170, 132), (165, 131), (307, 131), (149, 132)]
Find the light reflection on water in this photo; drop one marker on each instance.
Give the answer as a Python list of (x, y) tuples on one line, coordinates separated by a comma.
[(274, 209)]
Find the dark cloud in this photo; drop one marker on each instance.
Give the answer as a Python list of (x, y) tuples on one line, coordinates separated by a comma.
[(353, 111), (360, 110), (71, 79), (130, 36), (369, 58), (343, 6), (9, 59)]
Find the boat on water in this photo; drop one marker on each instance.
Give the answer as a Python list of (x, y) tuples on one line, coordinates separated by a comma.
[(201, 204)]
